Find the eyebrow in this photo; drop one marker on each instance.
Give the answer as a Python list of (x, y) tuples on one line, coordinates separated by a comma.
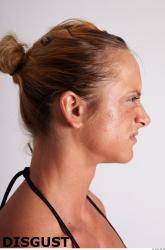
[(135, 91)]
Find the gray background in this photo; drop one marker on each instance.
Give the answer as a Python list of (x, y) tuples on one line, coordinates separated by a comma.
[(133, 193)]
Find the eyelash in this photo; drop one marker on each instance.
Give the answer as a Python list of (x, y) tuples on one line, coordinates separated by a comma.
[(134, 98)]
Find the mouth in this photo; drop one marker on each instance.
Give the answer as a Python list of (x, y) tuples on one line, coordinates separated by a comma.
[(133, 137)]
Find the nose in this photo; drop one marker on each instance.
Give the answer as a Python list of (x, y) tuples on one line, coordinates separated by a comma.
[(143, 118)]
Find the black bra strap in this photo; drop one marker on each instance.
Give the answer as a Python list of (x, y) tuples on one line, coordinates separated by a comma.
[(98, 209), (38, 193), (9, 188), (26, 174)]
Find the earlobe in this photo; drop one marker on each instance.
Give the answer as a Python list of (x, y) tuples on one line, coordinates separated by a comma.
[(71, 108)]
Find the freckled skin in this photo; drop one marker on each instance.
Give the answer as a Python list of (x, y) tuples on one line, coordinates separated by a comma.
[(118, 116)]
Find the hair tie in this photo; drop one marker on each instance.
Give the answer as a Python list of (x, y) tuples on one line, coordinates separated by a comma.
[(45, 40)]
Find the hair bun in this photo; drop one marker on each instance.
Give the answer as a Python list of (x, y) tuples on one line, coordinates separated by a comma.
[(11, 54)]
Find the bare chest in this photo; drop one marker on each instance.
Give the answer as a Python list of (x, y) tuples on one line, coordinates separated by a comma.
[(99, 234)]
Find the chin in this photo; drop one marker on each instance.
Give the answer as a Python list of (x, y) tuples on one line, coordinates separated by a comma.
[(125, 157)]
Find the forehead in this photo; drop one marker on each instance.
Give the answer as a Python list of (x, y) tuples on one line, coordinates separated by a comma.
[(127, 72)]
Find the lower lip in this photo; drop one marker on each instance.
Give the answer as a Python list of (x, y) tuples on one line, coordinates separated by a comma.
[(133, 139)]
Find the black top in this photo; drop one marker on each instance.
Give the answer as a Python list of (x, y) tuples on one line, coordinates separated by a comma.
[(26, 174)]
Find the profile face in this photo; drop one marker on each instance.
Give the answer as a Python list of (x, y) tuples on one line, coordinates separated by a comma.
[(111, 133)]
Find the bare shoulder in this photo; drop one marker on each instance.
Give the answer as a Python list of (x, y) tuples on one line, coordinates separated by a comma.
[(25, 214), (97, 201)]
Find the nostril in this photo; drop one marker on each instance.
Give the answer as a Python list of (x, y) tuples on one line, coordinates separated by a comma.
[(143, 123)]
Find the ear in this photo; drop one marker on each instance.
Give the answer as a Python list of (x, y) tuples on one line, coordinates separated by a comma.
[(73, 108)]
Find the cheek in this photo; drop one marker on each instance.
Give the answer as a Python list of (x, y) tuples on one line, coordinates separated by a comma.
[(103, 132), (113, 125), (116, 138), (95, 134), (108, 137)]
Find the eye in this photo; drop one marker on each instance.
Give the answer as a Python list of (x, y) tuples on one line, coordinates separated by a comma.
[(134, 98)]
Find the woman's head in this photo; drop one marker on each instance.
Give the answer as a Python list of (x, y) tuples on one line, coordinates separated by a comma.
[(69, 57), (74, 59)]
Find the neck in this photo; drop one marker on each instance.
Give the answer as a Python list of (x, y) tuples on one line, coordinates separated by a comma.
[(63, 176)]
